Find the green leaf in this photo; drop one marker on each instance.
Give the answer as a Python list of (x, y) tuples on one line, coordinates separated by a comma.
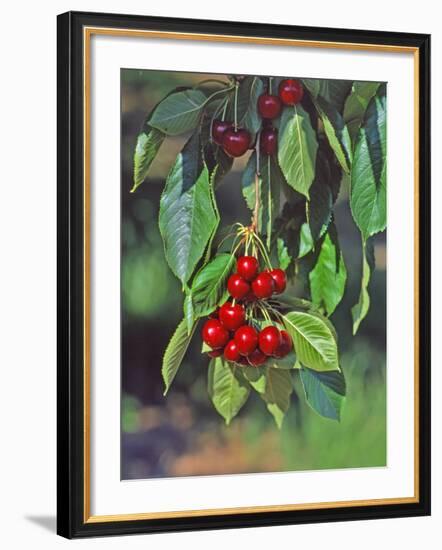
[(356, 105), (212, 184), (315, 345), (227, 389), (324, 391), (174, 353), (209, 287), (368, 198), (328, 277), (312, 85), (188, 312), (274, 386), (319, 208), (179, 112), (360, 310), (284, 258), (297, 149), (148, 143), (336, 132), (187, 216), (249, 91), (334, 91), (277, 393)]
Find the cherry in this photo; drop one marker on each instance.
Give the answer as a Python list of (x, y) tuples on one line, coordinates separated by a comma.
[(291, 91), (236, 143), (215, 352), (263, 285), (246, 338), (257, 358), (232, 316), (250, 297), (237, 286), (279, 279), (218, 129), (269, 106), (214, 334), (285, 346), (231, 352), (269, 340), (268, 141), (242, 361), (247, 267)]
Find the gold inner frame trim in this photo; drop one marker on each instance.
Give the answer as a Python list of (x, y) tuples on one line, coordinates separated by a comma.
[(87, 34)]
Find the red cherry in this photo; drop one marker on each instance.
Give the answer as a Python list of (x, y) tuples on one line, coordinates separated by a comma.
[(269, 340), (242, 361), (214, 334), (257, 358), (291, 91), (247, 267), (279, 279), (218, 129), (269, 106), (237, 286), (285, 346), (236, 143), (231, 352), (215, 353), (263, 285), (250, 297), (268, 141), (246, 338), (232, 316)]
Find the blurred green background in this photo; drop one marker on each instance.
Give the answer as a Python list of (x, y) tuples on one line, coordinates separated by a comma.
[(182, 434)]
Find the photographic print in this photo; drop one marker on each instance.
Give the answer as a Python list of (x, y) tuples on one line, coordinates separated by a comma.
[(253, 274)]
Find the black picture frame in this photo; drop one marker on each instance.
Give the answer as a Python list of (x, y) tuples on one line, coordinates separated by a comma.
[(72, 521)]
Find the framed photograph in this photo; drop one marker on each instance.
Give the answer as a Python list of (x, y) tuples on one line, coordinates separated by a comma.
[(243, 274)]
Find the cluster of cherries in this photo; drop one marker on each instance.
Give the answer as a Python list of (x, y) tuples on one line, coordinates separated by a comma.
[(227, 332), (236, 141)]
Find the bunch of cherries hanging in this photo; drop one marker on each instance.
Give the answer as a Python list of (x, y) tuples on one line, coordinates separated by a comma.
[(236, 141), (233, 330)]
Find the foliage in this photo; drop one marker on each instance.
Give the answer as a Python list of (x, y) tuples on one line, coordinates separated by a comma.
[(335, 136)]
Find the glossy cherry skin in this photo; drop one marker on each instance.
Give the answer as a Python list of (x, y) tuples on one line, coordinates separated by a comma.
[(247, 267), (214, 334), (218, 129), (285, 347), (232, 316), (215, 353), (231, 352), (269, 106), (263, 285), (236, 143), (269, 340), (246, 338), (268, 141), (257, 358), (279, 279), (291, 91), (238, 288)]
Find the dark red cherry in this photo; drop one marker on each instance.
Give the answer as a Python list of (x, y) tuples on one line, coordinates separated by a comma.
[(291, 91), (250, 297), (246, 338), (214, 334), (232, 316), (285, 347), (218, 129), (215, 353), (269, 340), (257, 358), (263, 285), (268, 141), (242, 361), (269, 106), (247, 267), (236, 143), (231, 352), (279, 279), (237, 286)]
